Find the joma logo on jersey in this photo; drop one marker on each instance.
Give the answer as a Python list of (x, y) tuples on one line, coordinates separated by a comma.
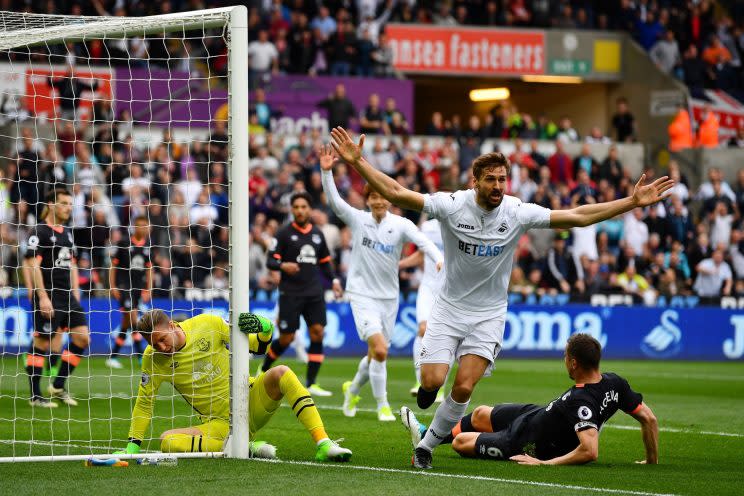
[(466, 226), (480, 250)]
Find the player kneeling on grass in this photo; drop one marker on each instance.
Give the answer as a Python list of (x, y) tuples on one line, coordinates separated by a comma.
[(192, 355), (566, 431)]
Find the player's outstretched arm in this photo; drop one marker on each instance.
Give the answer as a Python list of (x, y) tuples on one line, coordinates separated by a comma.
[(587, 451), (389, 188), (650, 432), (343, 210), (586, 215)]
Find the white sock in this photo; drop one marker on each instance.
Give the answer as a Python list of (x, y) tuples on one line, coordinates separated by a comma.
[(361, 377), (416, 354), (445, 418), (378, 381)]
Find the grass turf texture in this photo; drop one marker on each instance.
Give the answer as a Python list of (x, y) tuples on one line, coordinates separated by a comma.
[(698, 406)]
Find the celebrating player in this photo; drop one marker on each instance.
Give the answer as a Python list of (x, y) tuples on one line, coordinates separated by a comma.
[(300, 250), (192, 355), (51, 258), (431, 284), (378, 237), (130, 280), (480, 229), (566, 431)]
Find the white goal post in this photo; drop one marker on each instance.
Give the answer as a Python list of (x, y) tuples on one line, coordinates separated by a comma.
[(22, 31)]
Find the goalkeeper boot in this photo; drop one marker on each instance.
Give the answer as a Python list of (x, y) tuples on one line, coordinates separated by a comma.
[(421, 458), (350, 400), (114, 363), (62, 395), (414, 389), (40, 402), (330, 451), (415, 428), (385, 414), (316, 390), (262, 449)]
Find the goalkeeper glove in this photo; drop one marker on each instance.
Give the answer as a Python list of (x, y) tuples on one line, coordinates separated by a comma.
[(250, 323), (131, 449)]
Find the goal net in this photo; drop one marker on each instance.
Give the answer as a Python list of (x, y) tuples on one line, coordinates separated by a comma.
[(143, 122)]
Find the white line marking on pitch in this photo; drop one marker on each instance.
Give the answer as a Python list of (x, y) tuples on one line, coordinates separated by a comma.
[(467, 477)]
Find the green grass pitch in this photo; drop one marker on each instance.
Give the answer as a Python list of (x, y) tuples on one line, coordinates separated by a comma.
[(699, 406)]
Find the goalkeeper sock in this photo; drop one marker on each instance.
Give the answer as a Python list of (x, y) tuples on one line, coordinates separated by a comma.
[(70, 359), (361, 377), (416, 353), (315, 360), (119, 342), (445, 418), (34, 369), (139, 343), (464, 425), (302, 405), (378, 381), (272, 354), (186, 443)]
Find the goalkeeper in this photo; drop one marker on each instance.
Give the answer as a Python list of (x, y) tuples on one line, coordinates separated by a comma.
[(192, 355)]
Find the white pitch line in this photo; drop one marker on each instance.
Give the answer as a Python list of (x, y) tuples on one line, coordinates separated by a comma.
[(466, 477)]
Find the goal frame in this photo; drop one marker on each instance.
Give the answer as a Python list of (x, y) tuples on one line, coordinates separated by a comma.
[(235, 21)]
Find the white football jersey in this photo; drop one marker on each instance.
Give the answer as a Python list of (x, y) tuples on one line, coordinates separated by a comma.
[(479, 247), (376, 248), (431, 277)]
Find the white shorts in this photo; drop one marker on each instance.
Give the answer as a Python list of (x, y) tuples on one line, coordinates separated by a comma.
[(424, 302), (374, 316), (451, 334)]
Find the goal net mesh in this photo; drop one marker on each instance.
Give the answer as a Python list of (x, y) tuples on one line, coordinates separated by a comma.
[(130, 116)]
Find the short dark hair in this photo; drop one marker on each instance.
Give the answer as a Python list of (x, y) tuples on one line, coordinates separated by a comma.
[(301, 194), (368, 190), (490, 161), (585, 350), (52, 194), (150, 320)]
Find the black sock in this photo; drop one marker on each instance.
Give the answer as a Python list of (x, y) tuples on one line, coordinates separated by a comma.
[(425, 398), (315, 359), (70, 359), (54, 359), (139, 343), (120, 339), (34, 369), (464, 425), (272, 354)]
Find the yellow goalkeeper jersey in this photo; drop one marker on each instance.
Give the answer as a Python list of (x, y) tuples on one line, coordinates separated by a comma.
[(200, 372)]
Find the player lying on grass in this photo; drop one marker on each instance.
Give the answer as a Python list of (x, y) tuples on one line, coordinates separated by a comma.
[(566, 431), (192, 355)]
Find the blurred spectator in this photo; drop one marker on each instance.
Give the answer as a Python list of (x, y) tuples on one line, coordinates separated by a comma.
[(714, 277), (623, 122), (665, 53), (680, 131), (340, 109), (563, 273), (561, 165), (263, 58), (372, 120), (708, 131)]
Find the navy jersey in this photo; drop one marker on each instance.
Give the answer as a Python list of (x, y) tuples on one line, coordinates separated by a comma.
[(55, 249), (584, 406), (307, 247), (132, 260)]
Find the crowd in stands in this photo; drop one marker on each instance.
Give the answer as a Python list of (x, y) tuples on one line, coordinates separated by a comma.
[(690, 244)]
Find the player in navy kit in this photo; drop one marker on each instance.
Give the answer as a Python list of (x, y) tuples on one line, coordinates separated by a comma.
[(51, 259), (130, 280), (300, 255), (564, 432)]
